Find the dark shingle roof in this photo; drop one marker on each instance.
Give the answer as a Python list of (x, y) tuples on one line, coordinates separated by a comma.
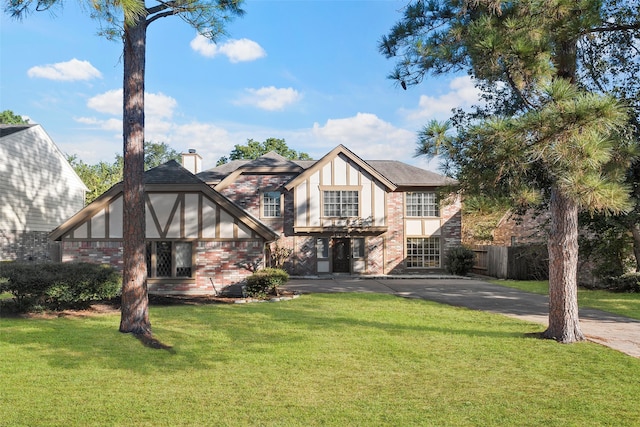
[(6, 130), (170, 173), (269, 160), (399, 173), (402, 174)]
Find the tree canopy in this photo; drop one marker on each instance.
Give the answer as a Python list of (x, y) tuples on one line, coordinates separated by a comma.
[(254, 149), (101, 176), (548, 130), (8, 117)]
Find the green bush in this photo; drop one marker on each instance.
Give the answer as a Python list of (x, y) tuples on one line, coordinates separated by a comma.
[(629, 282), (56, 286), (460, 260), (265, 282)]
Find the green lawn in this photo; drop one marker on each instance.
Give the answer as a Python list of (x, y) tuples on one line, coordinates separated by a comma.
[(624, 304), (318, 360)]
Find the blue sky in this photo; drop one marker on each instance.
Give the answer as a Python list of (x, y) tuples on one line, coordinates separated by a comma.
[(307, 71)]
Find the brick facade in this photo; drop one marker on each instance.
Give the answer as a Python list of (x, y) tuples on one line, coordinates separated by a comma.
[(224, 263), (20, 245)]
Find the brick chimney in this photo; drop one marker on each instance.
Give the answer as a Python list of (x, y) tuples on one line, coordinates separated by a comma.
[(192, 161)]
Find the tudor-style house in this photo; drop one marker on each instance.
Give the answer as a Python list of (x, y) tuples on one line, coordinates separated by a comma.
[(336, 215)]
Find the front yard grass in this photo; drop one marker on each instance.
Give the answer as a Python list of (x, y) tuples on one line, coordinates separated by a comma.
[(318, 360), (624, 304)]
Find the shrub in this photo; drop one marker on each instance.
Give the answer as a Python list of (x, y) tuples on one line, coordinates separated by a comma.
[(629, 282), (265, 282), (57, 286), (460, 260)]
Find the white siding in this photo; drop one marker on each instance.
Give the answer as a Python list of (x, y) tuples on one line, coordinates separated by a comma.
[(301, 205), (339, 174), (38, 188), (339, 171), (365, 195), (379, 203), (187, 210), (115, 218), (191, 215)]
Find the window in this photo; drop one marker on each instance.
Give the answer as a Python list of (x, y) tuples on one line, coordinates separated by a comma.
[(167, 259), (422, 204), (271, 204), (357, 248), (340, 203), (423, 252), (322, 247)]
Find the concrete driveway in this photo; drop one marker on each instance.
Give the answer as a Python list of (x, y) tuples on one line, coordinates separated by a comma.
[(614, 331)]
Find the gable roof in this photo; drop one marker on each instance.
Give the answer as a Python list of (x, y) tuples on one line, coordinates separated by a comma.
[(398, 173), (170, 172), (168, 176), (270, 162), (341, 150), (404, 175)]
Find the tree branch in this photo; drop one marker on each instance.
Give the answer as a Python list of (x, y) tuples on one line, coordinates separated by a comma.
[(611, 28)]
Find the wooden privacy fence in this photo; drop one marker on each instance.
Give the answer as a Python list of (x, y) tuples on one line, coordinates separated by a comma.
[(529, 262)]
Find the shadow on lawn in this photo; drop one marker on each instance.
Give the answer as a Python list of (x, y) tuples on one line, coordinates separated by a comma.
[(207, 335)]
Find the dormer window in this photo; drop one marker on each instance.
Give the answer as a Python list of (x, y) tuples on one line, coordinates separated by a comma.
[(340, 203)]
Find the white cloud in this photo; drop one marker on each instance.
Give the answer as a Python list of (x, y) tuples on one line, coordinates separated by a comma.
[(241, 50), (109, 102), (159, 109), (65, 71), (463, 94), (156, 104), (366, 135), (270, 98)]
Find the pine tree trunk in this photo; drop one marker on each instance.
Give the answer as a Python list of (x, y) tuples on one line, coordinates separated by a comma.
[(564, 324), (135, 302), (635, 231)]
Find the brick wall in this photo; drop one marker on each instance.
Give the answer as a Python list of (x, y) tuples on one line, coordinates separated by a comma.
[(18, 245), (451, 233), (394, 237), (95, 252), (226, 263), (246, 191), (521, 230)]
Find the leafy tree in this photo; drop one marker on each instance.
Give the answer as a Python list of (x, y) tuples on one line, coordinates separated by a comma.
[(538, 138), (254, 149), (8, 117), (155, 154), (98, 178), (128, 20), (102, 176)]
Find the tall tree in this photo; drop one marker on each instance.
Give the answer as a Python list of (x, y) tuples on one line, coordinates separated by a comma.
[(8, 117), (128, 20), (538, 138), (254, 149)]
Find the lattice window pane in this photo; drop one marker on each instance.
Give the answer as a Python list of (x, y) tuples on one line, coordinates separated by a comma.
[(163, 259), (183, 259), (148, 258)]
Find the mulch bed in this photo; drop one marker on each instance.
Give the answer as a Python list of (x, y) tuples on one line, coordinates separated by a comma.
[(113, 305)]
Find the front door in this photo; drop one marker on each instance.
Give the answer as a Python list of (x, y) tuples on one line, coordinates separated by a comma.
[(341, 256)]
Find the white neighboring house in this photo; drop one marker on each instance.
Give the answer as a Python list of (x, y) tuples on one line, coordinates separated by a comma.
[(38, 191)]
